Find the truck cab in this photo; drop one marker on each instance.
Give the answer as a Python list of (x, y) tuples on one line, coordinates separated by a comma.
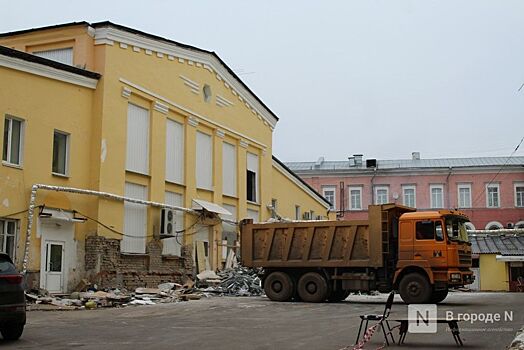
[(434, 255)]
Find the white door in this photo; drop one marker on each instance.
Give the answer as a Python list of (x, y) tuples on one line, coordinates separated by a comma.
[(476, 284), (54, 266)]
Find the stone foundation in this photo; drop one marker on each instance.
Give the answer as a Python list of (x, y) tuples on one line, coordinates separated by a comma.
[(106, 266)]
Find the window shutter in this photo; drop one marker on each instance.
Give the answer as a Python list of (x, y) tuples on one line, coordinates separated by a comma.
[(135, 220), (229, 169), (59, 55), (174, 152), (204, 161), (137, 158)]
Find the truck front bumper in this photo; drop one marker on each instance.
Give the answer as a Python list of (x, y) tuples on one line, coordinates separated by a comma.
[(460, 278)]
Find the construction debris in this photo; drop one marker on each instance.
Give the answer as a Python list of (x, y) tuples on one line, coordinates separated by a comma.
[(238, 281)]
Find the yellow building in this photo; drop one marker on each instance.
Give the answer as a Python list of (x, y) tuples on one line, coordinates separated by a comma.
[(159, 121)]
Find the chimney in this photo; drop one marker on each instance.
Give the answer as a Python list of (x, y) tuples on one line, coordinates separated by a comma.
[(358, 159), (415, 155), (319, 162)]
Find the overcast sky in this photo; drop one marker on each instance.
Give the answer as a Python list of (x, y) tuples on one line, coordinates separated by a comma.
[(381, 78)]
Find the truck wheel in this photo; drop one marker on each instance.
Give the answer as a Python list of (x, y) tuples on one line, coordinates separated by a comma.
[(279, 286), (414, 288), (312, 288), (338, 295), (438, 296)]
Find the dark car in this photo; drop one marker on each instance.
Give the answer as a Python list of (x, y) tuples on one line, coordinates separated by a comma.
[(12, 299)]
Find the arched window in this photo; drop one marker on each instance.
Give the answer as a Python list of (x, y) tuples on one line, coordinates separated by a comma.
[(519, 224), (470, 226), (494, 225)]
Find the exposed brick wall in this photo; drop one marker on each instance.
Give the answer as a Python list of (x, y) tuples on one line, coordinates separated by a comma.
[(107, 267)]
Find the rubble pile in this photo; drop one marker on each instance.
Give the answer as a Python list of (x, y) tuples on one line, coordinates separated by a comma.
[(239, 281)]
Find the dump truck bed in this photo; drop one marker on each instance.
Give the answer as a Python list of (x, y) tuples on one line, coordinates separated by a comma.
[(312, 244)]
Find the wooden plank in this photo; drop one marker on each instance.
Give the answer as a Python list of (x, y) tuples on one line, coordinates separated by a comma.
[(201, 256)]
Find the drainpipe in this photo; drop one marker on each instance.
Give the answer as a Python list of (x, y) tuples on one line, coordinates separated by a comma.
[(447, 188), (372, 189)]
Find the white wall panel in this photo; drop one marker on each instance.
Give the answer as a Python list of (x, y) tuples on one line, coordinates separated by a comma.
[(229, 169), (171, 246), (135, 220), (174, 152), (59, 55), (204, 161), (137, 157)]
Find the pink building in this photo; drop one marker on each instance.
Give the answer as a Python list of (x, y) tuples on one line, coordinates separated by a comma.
[(490, 190)]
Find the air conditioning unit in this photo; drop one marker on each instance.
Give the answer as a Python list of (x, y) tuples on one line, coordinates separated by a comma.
[(306, 216), (167, 222)]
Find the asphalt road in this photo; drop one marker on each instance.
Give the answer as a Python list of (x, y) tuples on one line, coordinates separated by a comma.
[(257, 323)]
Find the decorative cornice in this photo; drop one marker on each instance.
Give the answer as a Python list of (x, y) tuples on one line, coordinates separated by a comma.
[(126, 92), (244, 143), (46, 71), (107, 35), (299, 184), (160, 107), (192, 121), (123, 46), (193, 85), (220, 133), (223, 102), (191, 112)]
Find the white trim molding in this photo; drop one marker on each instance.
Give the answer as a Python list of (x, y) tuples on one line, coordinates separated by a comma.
[(193, 114), (220, 133), (48, 72), (223, 102), (494, 223), (108, 35), (192, 121), (160, 107), (126, 92), (193, 85), (300, 184)]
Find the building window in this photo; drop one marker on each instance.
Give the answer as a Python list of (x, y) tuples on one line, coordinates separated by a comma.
[(60, 152), (329, 193), (493, 196), (355, 198), (381, 194), (229, 169), (137, 156), (64, 55), (174, 152), (409, 196), (13, 140), (252, 177), (297, 212), (437, 196), (519, 194), (464, 196), (8, 237), (494, 225), (135, 220), (204, 161)]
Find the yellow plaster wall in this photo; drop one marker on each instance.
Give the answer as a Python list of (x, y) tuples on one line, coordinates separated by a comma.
[(493, 274), (45, 105)]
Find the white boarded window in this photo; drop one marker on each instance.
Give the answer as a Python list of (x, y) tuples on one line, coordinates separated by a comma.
[(135, 220), (229, 231), (64, 55), (464, 195), (204, 161), (355, 198), (329, 193), (409, 196), (252, 177), (137, 157), (253, 214), (171, 246), (229, 169), (437, 196), (174, 152), (381, 194)]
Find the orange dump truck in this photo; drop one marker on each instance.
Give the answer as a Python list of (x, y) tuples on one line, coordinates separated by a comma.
[(420, 254)]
